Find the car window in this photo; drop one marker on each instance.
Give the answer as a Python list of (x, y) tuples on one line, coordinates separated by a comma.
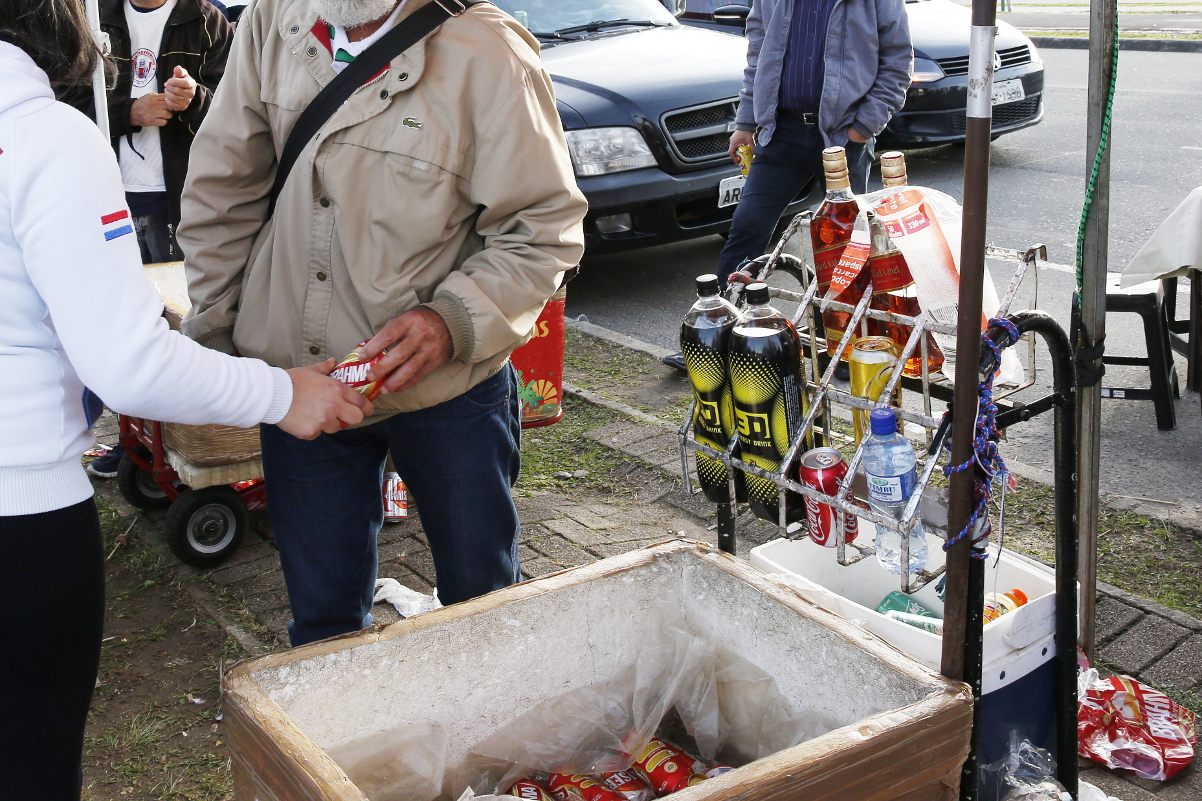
[(706, 8), (553, 15)]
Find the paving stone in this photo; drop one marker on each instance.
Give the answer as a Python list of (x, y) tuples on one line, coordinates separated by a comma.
[(395, 551), (1112, 617), (654, 444), (618, 548), (277, 623), (638, 532), (421, 562), (384, 614), (396, 532), (1180, 669), (267, 602), (587, 518), (525, 553), (1114, 784), (561, 552), (1142, 644), (609, 430), (630, 436), (539, 567), (575, 532), (406, 577), (604, 509), (230, 574), (536, 514), (263, 582)]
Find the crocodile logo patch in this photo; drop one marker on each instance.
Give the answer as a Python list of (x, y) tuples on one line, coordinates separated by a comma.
[(412, 122)]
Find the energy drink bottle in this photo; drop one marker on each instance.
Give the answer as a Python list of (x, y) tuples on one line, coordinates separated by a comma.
[(704, 339), (768, 380)]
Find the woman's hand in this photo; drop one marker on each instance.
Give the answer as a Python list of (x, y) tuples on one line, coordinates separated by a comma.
[(321, 404)]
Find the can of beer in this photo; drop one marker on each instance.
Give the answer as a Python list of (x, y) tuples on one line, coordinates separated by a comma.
[(822, 469), (898, 601), (665, 768), (580, 788), (872, 360), (628, 785), (396, 499), (529, 790), (352, 371), (746, 154)]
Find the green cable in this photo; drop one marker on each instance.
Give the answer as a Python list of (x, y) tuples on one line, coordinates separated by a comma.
[(1103, 143)]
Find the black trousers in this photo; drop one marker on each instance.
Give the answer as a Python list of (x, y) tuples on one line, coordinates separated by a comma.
[(51, 620)]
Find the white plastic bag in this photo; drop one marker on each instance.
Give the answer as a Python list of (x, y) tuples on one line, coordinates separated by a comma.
[(407, 602)]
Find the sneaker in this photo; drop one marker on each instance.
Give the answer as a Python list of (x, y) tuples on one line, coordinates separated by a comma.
[(106, 466), (676, 360)]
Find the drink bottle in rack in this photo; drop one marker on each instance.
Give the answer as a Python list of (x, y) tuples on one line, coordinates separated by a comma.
[(704, 339), (767, 380), (830, 231), (891, 470)]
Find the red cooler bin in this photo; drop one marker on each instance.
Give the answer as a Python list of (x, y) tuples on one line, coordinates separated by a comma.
[(539, 366)]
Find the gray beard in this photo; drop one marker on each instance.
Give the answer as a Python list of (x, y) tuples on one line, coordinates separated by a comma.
[(347, 14)]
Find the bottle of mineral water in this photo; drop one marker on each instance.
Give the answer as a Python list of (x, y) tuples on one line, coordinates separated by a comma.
[(892, 473)]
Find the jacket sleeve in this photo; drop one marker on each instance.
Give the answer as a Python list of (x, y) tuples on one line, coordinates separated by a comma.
[(745, 115), (896, 57), (82, 99), (531, 214), (220, 36), (225, 197), (139, 366)]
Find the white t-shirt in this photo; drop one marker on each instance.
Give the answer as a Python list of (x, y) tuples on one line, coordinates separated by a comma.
[(345, 51), (142, 164)]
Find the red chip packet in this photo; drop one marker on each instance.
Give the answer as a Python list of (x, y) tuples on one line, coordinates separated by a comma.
[(1124, 724)]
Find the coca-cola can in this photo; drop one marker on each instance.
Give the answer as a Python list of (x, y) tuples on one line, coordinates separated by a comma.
[(822, 469)]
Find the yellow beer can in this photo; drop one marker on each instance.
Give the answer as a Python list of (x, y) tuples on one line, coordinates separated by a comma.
[(871, 363), (745, 157)]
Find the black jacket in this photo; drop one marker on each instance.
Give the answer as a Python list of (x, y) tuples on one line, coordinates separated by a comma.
[(196, 37)]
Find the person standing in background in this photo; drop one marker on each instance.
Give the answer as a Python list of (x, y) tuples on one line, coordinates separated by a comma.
[(819, 73), (169, 54)]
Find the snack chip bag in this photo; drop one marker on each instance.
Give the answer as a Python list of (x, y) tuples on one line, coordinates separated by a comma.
[(1122, 723)]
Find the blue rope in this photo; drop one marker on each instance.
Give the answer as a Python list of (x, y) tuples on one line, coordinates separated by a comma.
[(984, 445)]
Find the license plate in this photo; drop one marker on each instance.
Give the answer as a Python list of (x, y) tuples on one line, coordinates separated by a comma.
[(1008, 91), (730, 190)]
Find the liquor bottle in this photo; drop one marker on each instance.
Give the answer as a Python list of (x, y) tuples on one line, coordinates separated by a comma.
[(891, 471), (830, 231), (767, 379), (892, 284), (704, 339)]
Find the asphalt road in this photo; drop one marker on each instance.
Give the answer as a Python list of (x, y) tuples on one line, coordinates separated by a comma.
[(1036, 188)]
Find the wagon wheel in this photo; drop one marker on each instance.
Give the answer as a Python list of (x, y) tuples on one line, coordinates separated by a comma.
[(138, 486), (205, 527)]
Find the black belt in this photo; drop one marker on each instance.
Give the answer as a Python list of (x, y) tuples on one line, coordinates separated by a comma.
[(806, 117)]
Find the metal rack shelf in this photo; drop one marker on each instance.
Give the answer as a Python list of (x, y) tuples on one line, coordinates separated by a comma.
[(823, 397)]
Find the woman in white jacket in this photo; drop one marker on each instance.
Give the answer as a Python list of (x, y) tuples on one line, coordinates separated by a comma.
[(67, 252)]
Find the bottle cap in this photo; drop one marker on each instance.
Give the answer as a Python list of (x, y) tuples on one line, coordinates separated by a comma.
[(893, 169), (883, 421), (707, 285), (834, 164), (757, 293), (1018, 595)]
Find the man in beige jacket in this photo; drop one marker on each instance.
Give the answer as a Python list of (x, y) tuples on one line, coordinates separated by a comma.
[(434, 213)]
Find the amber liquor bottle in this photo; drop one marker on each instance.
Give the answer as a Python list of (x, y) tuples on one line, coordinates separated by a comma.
[(892, 284), (830, 231)]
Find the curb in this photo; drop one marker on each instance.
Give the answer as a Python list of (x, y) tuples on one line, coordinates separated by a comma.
[(619, 339), (1125, 43)]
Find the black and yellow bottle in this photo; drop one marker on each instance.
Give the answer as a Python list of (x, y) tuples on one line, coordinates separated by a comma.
[(767, 380), (704, 339)]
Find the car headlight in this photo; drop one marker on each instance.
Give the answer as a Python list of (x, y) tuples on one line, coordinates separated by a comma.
[(926, 71), (597, 151)]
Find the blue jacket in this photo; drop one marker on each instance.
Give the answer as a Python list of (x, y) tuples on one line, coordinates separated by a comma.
[(867, 62)]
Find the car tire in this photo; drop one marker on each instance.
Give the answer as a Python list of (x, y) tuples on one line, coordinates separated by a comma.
[(205, 527)]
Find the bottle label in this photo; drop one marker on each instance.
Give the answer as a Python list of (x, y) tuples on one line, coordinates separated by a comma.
[(892, 489), (889, 273), (825, 261)]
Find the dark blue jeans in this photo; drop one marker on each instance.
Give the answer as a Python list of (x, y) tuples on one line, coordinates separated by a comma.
[(155, 238), (778, 172), (459, 460)]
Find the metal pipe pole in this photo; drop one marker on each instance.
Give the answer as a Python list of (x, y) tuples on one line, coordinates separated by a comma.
[(1092, 329), (965, 576), (99, 91)]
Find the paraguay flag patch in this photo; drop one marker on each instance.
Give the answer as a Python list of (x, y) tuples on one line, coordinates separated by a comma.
[(116, 224)]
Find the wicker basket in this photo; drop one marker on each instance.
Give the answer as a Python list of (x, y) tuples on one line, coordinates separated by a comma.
[(213, 444)]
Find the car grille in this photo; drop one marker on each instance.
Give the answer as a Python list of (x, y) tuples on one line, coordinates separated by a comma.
[(701, 133), (1010, 57), (1005, 115)]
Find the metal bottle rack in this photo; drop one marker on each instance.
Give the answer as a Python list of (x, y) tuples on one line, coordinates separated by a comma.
[(823, 396)]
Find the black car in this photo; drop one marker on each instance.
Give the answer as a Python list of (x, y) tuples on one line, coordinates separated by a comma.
[(648, 105), (934, 109)]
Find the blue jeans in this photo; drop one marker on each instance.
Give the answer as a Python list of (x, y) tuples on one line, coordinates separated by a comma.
[(156, 240), (778, 173), (459, 460)]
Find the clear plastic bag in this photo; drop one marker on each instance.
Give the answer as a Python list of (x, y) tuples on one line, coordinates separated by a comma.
[(1026, 773), (403, 764)]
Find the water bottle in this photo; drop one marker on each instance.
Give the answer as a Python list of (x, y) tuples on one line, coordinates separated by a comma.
[(892, 473)]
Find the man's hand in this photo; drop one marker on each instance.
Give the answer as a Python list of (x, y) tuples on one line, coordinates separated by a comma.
[(738, 139), (149, 111), (418, 342), (180, 89), (855, 136), (321, 403)]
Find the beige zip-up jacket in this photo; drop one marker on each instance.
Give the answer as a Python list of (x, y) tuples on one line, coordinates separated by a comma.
[(443, 182)]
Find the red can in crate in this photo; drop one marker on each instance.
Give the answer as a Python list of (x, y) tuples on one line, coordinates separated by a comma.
[(629, 786), (822, 469), (666, 768), (539, 366), (530, 790), (581, 788)]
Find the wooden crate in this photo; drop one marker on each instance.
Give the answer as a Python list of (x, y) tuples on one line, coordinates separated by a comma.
[(904, 729)]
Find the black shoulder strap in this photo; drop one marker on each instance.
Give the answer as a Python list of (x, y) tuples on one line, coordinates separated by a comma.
[(407, 33)]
